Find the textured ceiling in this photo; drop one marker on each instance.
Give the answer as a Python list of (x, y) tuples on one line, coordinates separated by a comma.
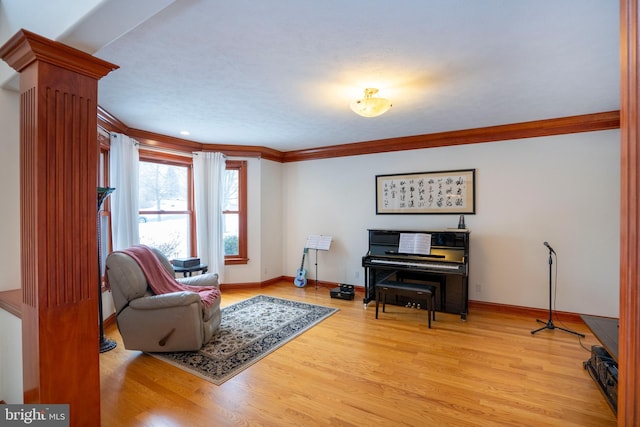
[(282, 74)]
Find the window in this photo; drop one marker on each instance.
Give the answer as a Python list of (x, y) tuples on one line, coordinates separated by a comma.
[(235, 212), (165, 204), (166, 208)]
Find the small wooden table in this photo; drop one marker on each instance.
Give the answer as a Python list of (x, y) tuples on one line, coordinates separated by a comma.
[(187, 271), (606, 331)]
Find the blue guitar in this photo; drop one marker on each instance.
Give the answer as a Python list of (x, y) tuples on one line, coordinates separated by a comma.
[(300, 280)]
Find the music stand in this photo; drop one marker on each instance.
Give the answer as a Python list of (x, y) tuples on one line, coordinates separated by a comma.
[(549, 323), (318, 242)]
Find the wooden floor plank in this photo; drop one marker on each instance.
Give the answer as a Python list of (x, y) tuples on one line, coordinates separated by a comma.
[(355, 370)]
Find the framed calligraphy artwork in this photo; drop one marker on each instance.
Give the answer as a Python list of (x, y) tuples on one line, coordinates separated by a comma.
[(443, 192)]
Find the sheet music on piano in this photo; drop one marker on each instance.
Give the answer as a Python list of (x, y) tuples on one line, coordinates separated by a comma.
[(415, 243)]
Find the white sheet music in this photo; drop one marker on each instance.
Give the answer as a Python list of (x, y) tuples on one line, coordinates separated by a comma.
[(318, 241), (415, 243)]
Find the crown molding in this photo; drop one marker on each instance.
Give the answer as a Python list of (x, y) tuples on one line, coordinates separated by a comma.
[(156, 140), (25, 47), (537, 128), (163, 142), (109, 122), (246, 151)]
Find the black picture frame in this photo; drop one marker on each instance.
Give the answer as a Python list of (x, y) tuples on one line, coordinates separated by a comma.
[(427, 193)]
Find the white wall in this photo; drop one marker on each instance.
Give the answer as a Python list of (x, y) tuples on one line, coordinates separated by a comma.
[(9, 190), (563, 189), (264, 223), (10, 326), (11, 390), (271, 224)]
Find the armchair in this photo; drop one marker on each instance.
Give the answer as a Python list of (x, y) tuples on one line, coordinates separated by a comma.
[(175, 321)]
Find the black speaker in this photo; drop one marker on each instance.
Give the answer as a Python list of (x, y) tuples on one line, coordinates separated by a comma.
[(343, 292)]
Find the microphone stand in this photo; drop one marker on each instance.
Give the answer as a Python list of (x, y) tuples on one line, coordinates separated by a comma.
[(549, 323)]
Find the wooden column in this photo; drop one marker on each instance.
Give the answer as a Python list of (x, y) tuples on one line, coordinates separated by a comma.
[(58, 203), (629, 333)]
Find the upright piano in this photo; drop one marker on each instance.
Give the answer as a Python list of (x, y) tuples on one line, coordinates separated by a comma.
[(446, 266)]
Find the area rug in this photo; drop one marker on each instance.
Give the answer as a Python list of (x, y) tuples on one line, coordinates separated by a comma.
[(249, 331)]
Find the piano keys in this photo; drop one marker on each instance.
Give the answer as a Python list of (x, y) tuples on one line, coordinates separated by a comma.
[(446, 265)]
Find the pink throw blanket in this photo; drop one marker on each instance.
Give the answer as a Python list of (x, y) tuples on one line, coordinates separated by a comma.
[(160, 280)]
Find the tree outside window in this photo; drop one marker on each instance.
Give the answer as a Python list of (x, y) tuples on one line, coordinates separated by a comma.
[(235, 212), (165, 214), (231, 212)]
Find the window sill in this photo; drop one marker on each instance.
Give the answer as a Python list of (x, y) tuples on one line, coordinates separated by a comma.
[(235, 261)]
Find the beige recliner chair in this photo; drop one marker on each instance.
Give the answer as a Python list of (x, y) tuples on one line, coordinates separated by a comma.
[(176, 321)]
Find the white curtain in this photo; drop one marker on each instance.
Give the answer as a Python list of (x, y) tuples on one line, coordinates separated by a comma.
[(208, 183), (123, 176)]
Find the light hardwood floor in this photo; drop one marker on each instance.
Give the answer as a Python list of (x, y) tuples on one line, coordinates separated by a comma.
[(354, 370)]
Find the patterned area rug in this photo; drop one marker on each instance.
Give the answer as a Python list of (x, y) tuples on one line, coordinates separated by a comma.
[(249, 331)]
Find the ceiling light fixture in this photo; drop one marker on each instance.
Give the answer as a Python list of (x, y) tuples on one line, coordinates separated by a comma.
[(370, 106)]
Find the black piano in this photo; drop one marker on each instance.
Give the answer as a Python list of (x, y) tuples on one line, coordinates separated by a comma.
[(445, 266)]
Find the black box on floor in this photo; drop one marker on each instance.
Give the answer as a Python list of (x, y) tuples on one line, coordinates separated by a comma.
[(343, 292), (186, 262), (604, 371)]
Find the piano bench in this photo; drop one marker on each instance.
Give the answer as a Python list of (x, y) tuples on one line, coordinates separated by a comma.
[(423, 292)]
